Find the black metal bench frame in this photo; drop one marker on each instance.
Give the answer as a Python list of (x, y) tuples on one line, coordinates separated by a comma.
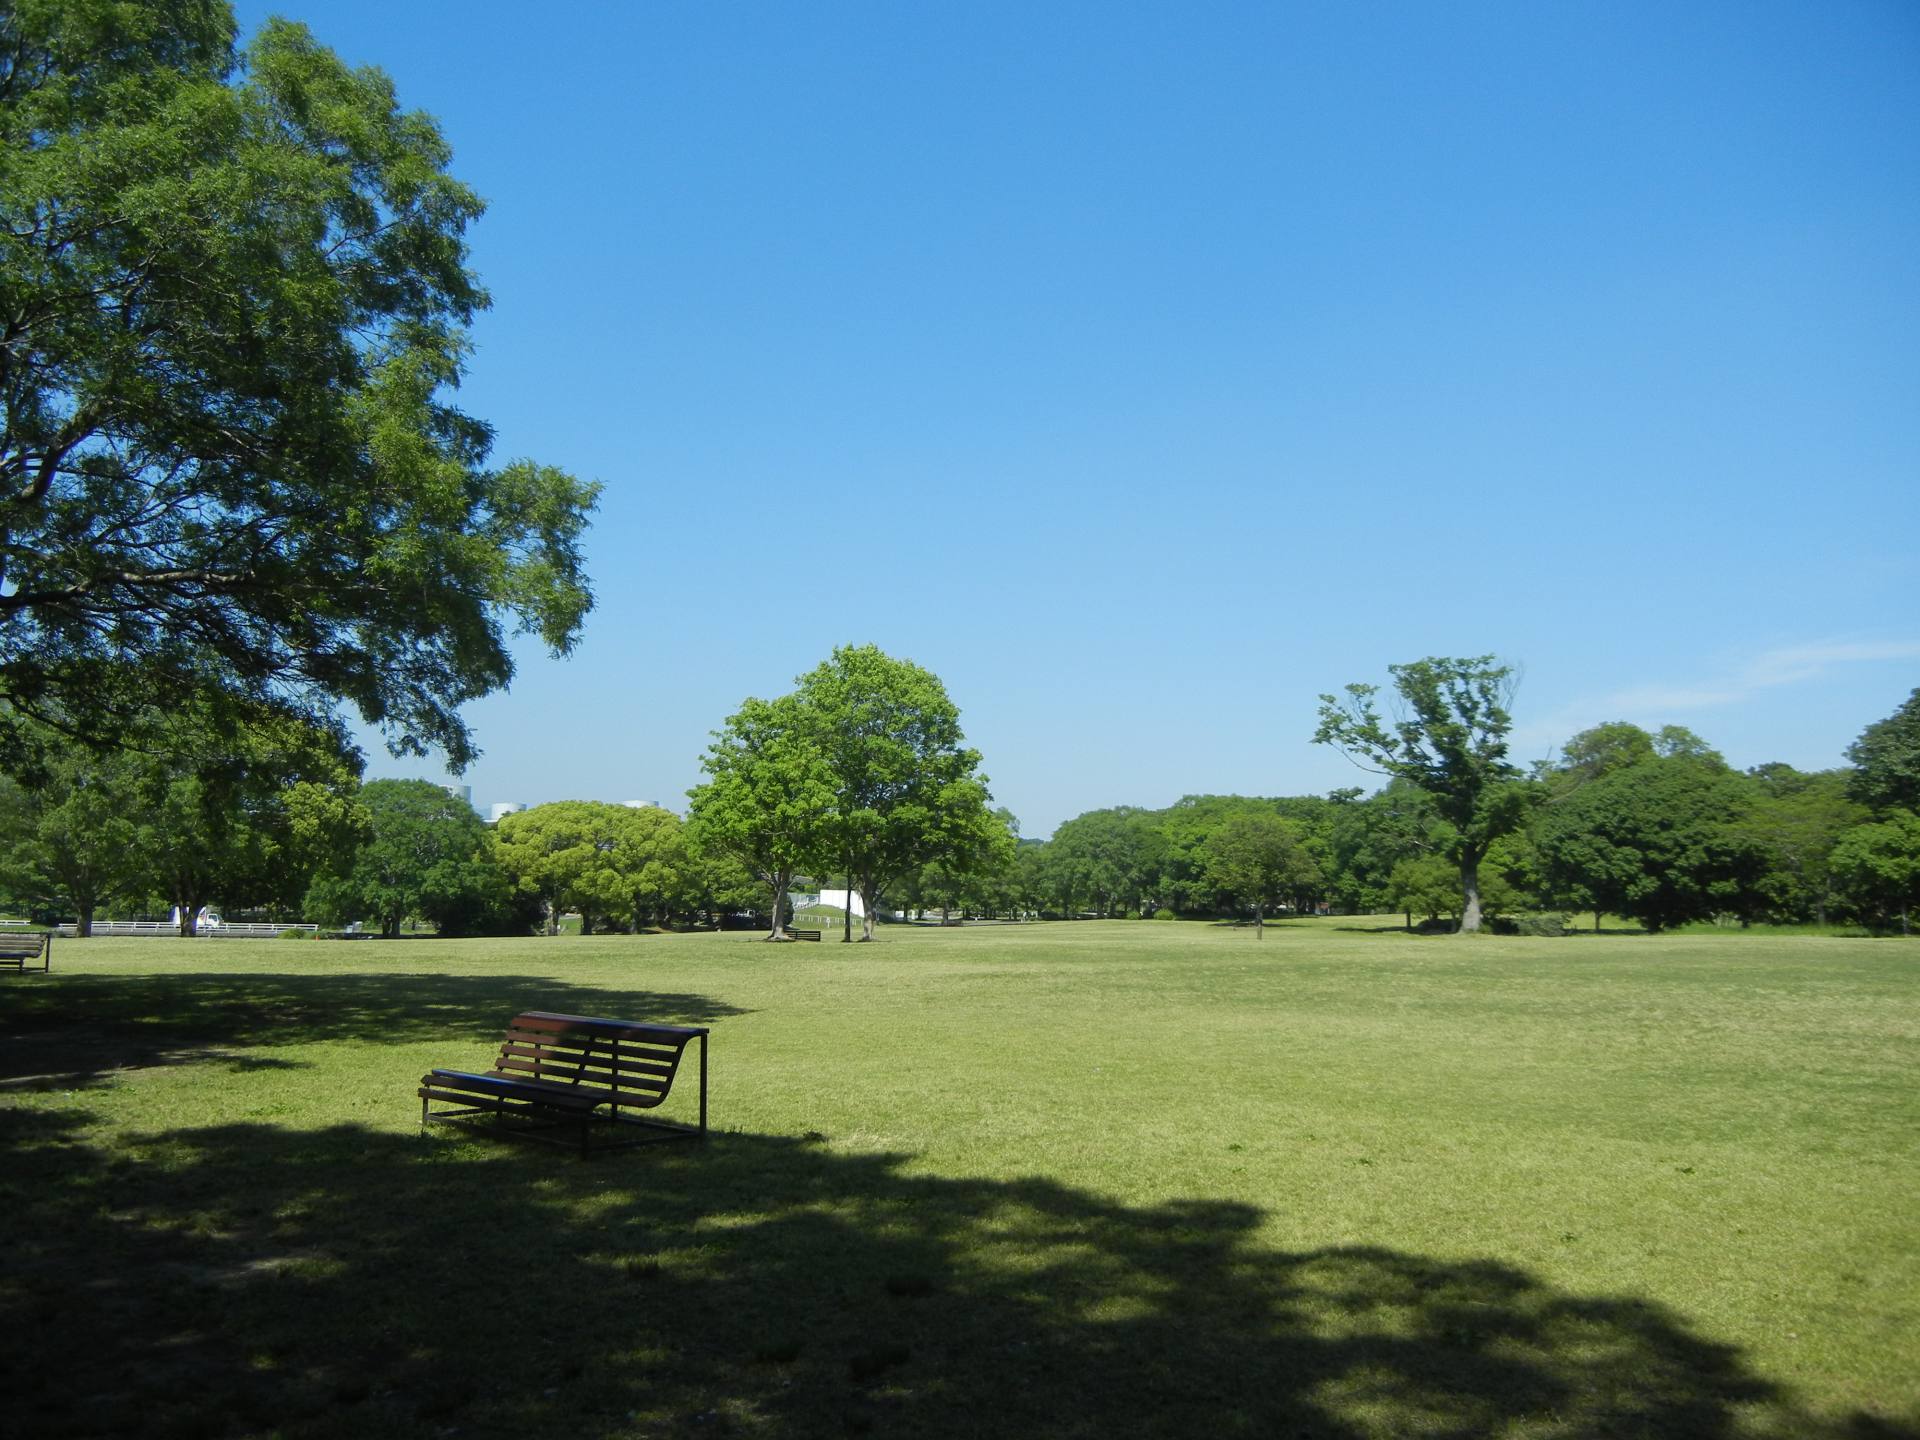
[(556, 1075)]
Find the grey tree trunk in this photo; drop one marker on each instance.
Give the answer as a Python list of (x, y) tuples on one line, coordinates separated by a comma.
[(1470, 892), (780, 883)]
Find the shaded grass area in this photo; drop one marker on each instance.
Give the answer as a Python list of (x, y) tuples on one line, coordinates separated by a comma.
[(1077, 1180)]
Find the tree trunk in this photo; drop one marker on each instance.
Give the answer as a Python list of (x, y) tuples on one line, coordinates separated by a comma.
[(553, 917), (83, 927), (869, 902), (1470, 892), (1259, 922), (780, 883)]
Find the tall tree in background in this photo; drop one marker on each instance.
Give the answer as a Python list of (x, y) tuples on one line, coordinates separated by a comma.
[(1886, 760), (766, 800), (68, 842), (1877, 867), (234, 297), (1451, 741), (425, 854), (1258, 859), (906, 789)]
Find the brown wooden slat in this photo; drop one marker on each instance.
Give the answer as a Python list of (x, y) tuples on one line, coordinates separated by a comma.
[(600, 1060), (667, 1055), (553, 1075)]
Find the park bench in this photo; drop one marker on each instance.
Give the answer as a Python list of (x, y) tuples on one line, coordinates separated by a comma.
[(562, 1073), (17, 948), (793, 934)]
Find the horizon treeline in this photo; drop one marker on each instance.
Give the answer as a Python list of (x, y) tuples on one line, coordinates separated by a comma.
[(1648, 826)]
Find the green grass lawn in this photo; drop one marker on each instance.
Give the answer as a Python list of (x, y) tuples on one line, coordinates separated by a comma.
[(1070, 1180)]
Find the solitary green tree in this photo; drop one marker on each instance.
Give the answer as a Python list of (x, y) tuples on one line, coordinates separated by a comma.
[(766, 800), (235, 301), (1450, 740), (906, 789), (1258, 859)]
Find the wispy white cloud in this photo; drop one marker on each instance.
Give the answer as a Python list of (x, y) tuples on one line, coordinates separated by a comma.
[(1656, 703)]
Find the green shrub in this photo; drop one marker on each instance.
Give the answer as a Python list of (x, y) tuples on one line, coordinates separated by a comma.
[(1546, 922), (298, 935), (1163, 914)]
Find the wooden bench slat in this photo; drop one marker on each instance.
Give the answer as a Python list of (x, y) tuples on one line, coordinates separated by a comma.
[(622, 1063), (568, 1075)]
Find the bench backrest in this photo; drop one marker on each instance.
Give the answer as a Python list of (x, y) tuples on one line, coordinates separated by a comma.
[(632, 1062), (17, 943)]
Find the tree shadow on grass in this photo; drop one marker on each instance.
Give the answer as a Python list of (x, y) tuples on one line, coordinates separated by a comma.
[(78, 1032), (243, 1279)]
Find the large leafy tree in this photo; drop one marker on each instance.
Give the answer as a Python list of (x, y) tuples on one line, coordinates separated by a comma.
[(907, 790), (1258, 859), (1114, 857), (1886, 760), (236, 814), (765, 803), (1450, 740), (1663, 842), (234, 300), (68, 842), (1877, 867), (425, 854)]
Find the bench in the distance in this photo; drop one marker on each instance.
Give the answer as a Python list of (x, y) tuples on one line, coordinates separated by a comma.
[(18, 947), (574, 1073)]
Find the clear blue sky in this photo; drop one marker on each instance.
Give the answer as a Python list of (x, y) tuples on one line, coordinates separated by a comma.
[(1145, 370)]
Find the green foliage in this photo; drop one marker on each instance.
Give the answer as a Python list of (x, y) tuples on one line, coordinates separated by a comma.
[(1603, 749), (766, 803), (1886, 760), (1163, 914), (609, 862), (1451, 742), (1258, 859), (235, 297), (67, 845), (1877, 867), (426, 854), (1425, 885), (1664, 842), (907, 791), (1797, 819), (1110, 859)]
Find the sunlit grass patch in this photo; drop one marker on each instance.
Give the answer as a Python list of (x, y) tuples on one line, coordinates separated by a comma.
[(1070, 1180)]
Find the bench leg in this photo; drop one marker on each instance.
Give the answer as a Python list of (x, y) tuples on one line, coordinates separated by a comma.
[(703, 1085)]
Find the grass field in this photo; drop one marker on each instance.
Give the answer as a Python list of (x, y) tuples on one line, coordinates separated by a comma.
[(1067, 1180)]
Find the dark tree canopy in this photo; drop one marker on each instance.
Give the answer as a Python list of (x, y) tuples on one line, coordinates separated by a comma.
[(234, 296)]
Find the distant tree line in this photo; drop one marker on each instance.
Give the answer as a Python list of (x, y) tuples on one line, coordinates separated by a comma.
[(1653, 827), (860, 777)]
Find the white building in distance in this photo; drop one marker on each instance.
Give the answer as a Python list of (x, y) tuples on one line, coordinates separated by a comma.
[(504, 807)]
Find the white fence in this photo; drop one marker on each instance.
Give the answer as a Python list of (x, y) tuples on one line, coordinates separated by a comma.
[(225, 930)]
